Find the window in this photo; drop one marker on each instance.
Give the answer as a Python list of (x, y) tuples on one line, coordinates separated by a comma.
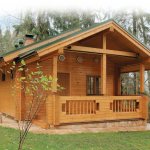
[(93, 84)]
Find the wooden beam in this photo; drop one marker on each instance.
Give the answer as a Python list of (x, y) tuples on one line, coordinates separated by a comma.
[(55, 58), (32, 59), (101, 51), (111, 29), (146, 61), (142, 80), (61, 51), (103, 68), (130, 68)]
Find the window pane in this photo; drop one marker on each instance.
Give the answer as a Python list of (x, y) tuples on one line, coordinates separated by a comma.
[(93, 85)]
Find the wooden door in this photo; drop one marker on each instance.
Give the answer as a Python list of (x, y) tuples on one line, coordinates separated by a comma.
[(64, 81)]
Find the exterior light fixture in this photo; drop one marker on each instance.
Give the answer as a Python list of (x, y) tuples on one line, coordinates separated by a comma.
[(79, 59), (61, 58)]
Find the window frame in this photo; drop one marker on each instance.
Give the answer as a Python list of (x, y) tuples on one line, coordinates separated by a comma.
[(93, 91)]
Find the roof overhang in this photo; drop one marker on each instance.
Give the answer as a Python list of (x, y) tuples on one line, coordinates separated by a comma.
[(56, 43)]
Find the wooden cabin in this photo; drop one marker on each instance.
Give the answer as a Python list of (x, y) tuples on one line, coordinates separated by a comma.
[(88, 64)]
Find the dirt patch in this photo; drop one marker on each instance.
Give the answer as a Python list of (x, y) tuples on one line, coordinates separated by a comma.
[(71, 129)]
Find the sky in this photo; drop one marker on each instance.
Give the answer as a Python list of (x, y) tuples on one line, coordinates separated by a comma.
[(10, 9)]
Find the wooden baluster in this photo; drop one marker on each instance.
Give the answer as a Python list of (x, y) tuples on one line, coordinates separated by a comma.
[(89, 107), (83, 103), (86, 107), (72, 107), (114, 105), (125, 103), (129, 105), (69, 108), (75, 102), (94, 108), (135, 105), (118, 105)]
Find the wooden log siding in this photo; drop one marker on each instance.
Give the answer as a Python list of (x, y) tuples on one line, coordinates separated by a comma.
[(72, 109)]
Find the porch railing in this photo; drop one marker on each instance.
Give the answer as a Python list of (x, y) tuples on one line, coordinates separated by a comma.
[(69, 109)]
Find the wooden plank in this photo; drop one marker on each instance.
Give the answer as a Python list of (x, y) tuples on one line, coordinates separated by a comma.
[(103, 68), (32, 59), (55, 58), (103, 74), (101, 51), (111, 29), (142, 80), (130, 68), (61, 51)]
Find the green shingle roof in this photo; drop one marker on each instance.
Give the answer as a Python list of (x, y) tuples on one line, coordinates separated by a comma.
[(66, 37)]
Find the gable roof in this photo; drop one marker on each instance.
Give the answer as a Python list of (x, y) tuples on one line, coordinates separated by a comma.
[(52, 44)]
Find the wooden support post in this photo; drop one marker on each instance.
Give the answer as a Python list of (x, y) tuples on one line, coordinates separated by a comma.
[(117, 81), (56, 109), (142, 70), (55, 58), (144, 107), (52, 110), (103, 68)]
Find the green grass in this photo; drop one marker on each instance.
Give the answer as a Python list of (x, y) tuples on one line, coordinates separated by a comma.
[(86, 141)]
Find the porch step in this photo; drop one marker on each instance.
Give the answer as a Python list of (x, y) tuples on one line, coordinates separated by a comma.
[(41, 123)]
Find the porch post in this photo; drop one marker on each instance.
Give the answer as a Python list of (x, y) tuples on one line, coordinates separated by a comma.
[(54, 73), (55, 99), (103, 68), (142, 69), (52, 107), (117, 81)]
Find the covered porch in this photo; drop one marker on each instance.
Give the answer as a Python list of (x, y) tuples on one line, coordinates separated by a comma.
[(91, 78)]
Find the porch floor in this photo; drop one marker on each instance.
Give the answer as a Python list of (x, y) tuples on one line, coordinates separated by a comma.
[(77, 128)]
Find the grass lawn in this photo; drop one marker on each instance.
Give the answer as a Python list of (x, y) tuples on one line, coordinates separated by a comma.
[(86, 141)]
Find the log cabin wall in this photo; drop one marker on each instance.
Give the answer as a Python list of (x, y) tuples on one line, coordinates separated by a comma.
[(79, 71), (7, 101)]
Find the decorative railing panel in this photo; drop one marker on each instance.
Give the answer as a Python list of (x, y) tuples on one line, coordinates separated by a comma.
[(80, 107), (125, 105), (69, 109)]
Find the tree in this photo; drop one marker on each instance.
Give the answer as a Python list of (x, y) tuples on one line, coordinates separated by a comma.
[(36, 86)]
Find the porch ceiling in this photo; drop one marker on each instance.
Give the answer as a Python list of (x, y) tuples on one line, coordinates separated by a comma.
[(115, 41), (121, 60)]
